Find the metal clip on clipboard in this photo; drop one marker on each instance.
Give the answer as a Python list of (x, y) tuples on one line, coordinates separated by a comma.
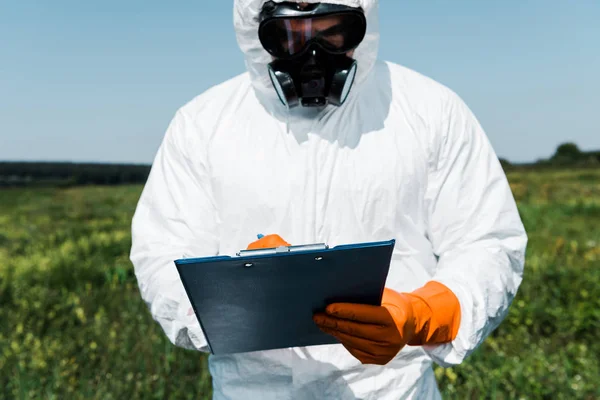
[(283, 249)]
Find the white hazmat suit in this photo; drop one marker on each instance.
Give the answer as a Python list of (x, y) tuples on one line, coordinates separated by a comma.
[(404, 158)]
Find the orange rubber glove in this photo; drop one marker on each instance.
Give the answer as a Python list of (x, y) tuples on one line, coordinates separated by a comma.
[(376, 334), (268, 242)]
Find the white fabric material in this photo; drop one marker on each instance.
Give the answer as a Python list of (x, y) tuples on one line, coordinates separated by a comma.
[(404, 158)]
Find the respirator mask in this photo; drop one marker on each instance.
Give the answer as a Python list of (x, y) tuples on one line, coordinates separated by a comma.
[(309, 45)]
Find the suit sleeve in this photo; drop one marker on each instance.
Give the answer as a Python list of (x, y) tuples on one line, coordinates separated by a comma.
[(475, 230), (175, 217)]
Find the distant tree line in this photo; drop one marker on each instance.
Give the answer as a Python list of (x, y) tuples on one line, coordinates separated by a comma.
[(566, 155), (75, 174), (70, 174)]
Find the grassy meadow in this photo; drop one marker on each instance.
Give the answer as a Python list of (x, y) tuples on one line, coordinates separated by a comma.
[(72, 323)]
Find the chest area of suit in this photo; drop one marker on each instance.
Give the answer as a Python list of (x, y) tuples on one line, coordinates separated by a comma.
[(341, 178)]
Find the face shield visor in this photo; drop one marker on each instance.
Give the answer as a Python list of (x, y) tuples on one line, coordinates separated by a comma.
[(310, 45)]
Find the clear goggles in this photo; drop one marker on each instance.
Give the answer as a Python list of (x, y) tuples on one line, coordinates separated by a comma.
[(287, 30)]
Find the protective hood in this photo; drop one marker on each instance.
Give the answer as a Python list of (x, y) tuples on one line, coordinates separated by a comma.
[(245, 19)]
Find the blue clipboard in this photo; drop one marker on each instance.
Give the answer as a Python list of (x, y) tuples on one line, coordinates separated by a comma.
[(265, 299)]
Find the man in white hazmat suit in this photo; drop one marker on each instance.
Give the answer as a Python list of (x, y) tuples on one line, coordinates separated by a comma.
[(315, 156)]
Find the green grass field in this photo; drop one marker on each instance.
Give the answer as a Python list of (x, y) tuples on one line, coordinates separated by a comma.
[(72, 323)]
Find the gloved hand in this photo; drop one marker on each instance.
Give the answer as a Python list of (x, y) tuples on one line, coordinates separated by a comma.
[(376, 334), (267, 242)]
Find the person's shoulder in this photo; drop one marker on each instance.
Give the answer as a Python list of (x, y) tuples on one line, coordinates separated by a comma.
[(215, 99), (202, 112), (422, 96), (416, 86), (429, 104)]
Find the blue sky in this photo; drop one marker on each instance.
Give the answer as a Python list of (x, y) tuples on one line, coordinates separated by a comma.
[(100, 80)]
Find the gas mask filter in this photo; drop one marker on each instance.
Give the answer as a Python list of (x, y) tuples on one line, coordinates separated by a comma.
[(309, 46)]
